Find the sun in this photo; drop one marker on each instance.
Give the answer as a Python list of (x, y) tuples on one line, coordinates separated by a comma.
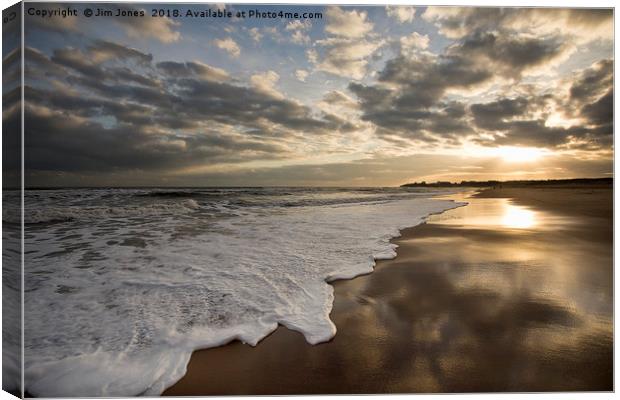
[(518, 154)]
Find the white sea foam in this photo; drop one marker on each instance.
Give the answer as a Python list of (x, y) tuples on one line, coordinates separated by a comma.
[(116, 305)]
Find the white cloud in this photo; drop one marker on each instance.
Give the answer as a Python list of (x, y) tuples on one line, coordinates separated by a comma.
[(414, 42), (301, 74), (255, 34), (228, 45), (300, 38), (349, 24), (312, 55), (265, 83), (274, 33), (350, 44), (297, 25), (345, 57), (401, 13), (161, 29)]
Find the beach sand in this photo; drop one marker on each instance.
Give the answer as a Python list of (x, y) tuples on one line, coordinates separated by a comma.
[(500, 295)]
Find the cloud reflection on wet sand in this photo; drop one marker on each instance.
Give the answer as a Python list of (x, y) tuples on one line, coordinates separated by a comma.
[(494, 296)]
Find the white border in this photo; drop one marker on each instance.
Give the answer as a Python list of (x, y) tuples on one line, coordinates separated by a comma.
[(488, 3)]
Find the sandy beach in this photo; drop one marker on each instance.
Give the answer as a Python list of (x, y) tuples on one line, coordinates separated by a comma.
[(513, 292)]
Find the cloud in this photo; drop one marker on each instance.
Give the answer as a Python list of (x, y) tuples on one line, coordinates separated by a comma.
[(228, 45), (255, 34), (413, 98), (87, 66), (401, 13), (339, 98), (519, 121), (345, 57), (582, 24), (265, 83), (297, 25), (161, 29), (59, 25), (349, 24), (193, 68), (181, 115), (500, 80), (492, 115), (299, 29), (301, 74), (299, 37), (349, 45), (414, 42), (600, 112), (78, 61), (274, 33), (102, 51), (592, 81), (56, 142), (591, 94)]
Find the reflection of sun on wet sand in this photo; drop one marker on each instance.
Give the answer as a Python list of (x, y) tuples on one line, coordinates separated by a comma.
[(502, 295)]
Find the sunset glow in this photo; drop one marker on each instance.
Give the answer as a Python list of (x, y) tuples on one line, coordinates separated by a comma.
[(360, 96), (519, 154)]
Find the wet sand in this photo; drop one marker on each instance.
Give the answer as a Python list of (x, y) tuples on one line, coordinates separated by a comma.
[(500, 295)]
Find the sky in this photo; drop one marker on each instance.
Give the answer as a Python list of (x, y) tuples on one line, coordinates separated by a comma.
[(355, 96)]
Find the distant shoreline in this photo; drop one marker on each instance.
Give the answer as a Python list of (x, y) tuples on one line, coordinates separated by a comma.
[(519, 183), (478, 184)]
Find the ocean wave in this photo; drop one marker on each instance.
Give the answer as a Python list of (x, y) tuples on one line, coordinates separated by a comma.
[(62, 214), (109, 319)]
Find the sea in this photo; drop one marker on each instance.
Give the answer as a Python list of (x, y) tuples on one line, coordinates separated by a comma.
[(122, 285)]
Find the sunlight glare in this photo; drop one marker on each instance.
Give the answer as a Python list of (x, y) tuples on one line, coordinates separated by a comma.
[(519, 154), (518, 217)]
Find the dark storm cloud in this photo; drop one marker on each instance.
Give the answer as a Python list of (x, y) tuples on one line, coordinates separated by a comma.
[(79, 62), (233, 104), (104, 50), (90, 67), (600, 112), (190, 98), (511, 53), (175, 69), (71, 144), (533, 133), (127, 75), (192, 69), (592, 82), (39, 66), (492, 116), (160, 116)]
